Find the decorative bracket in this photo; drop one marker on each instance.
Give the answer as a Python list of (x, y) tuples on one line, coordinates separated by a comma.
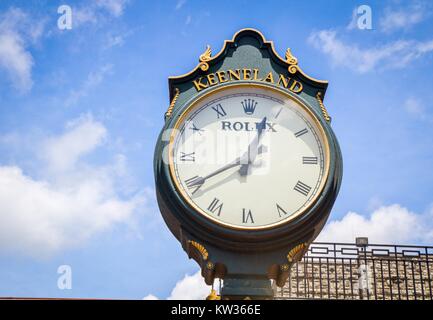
[(296, 252), (200, 248), (199, 253)]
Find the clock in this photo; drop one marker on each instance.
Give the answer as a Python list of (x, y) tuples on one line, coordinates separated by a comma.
[(249, 157), (247, 166)]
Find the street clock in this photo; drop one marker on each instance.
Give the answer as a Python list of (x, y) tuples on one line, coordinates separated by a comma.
[(247, 167)]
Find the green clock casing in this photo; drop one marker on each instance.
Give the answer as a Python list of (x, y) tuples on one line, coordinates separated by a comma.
[(250, 210)]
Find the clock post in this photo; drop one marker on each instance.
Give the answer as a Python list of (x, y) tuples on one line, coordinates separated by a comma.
[(247, 219)]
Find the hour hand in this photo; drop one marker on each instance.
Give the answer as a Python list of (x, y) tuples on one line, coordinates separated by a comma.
[(243, 170)]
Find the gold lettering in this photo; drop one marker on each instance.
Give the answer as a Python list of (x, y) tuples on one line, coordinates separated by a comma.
[(296, 87), (256, 73), (199, 85), (222, 76), (269, 78), (282, 80), (247, 74), (233, 74), (211, 79)]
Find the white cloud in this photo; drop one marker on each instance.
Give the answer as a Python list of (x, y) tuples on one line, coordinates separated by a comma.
[(397, 54), (189, 288), (16, 61), (114, 41), (95, 11), (65, 207), (354, 20), (387, 224), (38, 218), (414, 107), (180, 4), (84, 15), (93, 79), (83, 135), (188, 20), (18, 31), (119, 39), (114, 7), (403, 18), (28, 28)]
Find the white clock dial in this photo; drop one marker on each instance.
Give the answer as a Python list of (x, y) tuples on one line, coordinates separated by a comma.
[(249, 157)]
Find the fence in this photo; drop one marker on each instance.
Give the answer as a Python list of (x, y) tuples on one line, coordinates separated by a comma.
[(350, 271)]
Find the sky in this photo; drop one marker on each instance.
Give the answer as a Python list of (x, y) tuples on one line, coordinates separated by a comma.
[(81, 109)]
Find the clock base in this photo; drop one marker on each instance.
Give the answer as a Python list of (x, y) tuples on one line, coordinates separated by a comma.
[(247, 289)]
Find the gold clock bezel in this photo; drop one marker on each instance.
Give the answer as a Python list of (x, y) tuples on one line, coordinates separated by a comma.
[(202, 212)]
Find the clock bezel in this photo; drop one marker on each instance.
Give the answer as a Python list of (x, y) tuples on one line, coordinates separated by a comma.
[(190, 107)]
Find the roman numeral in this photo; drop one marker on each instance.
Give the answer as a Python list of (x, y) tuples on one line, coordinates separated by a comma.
[(215, 205), (187, 156), (219, 110), (302, 188), (194, 183), (195, 129), (309, 160), (301, 132), (247, 216), (280, 210), (278, 113)]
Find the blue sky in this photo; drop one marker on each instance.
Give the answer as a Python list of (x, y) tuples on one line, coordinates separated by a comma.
[(80, 111)]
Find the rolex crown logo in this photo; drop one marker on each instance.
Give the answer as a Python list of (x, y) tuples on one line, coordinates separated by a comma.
[(249, 106)]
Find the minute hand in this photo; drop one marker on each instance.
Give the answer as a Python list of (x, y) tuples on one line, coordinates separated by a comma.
[(198, 181)]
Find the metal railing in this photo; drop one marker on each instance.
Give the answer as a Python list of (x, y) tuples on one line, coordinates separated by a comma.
[(369, 271)]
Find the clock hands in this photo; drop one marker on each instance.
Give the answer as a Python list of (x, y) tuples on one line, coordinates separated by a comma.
[(198, 181), (248, 157), (253, 148)]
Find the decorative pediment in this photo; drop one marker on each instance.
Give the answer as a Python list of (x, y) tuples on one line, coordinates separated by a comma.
[(248, 50)]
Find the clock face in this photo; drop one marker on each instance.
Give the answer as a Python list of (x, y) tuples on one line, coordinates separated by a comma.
[(249, 157)]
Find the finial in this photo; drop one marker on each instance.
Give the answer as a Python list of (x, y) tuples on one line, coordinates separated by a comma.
[(292, 61), (204, 58)]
